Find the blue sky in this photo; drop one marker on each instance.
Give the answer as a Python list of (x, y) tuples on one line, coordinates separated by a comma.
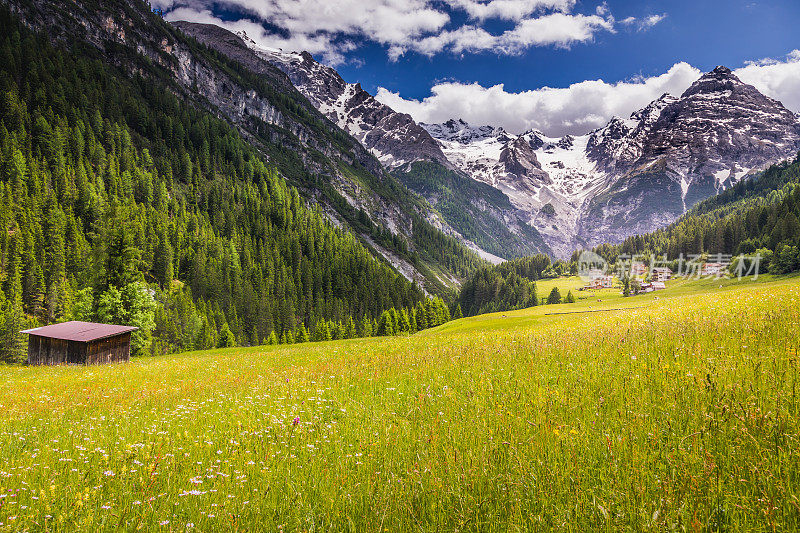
[(702, 33), (488, 60)]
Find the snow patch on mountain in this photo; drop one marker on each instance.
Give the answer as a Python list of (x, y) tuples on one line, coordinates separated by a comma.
[(635, 174), (394, 138)]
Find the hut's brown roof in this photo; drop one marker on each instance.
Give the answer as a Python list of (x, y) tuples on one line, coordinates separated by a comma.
[(80, 331)]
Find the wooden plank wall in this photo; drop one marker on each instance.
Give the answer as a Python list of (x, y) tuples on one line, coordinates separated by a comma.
[(47, 351), (110, 350)]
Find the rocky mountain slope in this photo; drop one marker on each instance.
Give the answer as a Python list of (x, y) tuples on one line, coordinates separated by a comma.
[(633, 175), (329, 167), (394, 138), (483, 220)]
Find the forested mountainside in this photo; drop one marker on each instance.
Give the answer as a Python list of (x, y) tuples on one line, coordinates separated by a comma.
[(761, 214), (323, 162), (481, 217), (482, 214), (122, 202), (507, 286)]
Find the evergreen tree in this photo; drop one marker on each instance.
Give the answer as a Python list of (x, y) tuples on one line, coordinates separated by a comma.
[(350, 330), (554, 297), (385, 325), (458, 314), (366, 327), (403, 323), (272, 339), (226, 337), (302, 334)]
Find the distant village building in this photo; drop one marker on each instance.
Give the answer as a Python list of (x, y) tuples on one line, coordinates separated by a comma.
[(600, 282), (658, 285), (661, 274), (638, 269), (79, 343), (712, 269)]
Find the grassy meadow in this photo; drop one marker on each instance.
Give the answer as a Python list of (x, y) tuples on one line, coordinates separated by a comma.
[(675, 410)]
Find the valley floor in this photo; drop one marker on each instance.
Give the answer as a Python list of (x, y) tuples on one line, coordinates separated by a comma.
[(672, 410)]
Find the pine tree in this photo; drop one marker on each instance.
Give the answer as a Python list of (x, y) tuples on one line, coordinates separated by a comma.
[(226, 337), (272, 339), (163, 261), (366, 327), (302, 333), (350, 330), (458, 314), (385, 325), (403, 323), (554, 297), (570, 299)]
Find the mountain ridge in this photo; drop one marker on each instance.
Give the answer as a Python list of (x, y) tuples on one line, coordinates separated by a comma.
[(632, 175), (488, 225), (328, 166)]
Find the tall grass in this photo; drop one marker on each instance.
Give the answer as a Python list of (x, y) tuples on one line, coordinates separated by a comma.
[(682, 415)]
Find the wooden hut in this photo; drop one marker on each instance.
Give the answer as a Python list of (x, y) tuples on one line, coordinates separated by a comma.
[(79, 343)]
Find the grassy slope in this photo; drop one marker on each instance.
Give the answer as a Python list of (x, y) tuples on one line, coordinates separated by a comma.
[(679, 414)]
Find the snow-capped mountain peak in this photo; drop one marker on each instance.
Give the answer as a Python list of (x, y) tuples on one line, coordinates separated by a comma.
[(460, 131), (649, 168), (394, 138)]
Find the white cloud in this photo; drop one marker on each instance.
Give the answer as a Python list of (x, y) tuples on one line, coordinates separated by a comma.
[(329, 28), (320, 45), (509, 9), (587, 105), (576, 109), (644, 24), (652, 20), (778, 79), (556, 29)]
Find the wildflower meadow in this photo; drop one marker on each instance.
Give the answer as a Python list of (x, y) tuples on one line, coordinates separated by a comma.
[(678, 413)]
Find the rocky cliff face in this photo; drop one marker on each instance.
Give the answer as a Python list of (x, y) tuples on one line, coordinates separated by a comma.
[(394, 138)]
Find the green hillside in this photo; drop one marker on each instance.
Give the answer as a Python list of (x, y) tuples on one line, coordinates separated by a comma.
[(761, 214), (122, 202), (476, 210)]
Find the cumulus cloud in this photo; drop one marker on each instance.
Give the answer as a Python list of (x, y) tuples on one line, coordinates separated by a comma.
[(576, 109), (329, 28), (587, 105), (319, 45), (509, 9), (777, 78), (556, 29)]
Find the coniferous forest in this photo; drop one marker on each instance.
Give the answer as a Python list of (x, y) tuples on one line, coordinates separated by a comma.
[(120, 202), (760, 215)]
